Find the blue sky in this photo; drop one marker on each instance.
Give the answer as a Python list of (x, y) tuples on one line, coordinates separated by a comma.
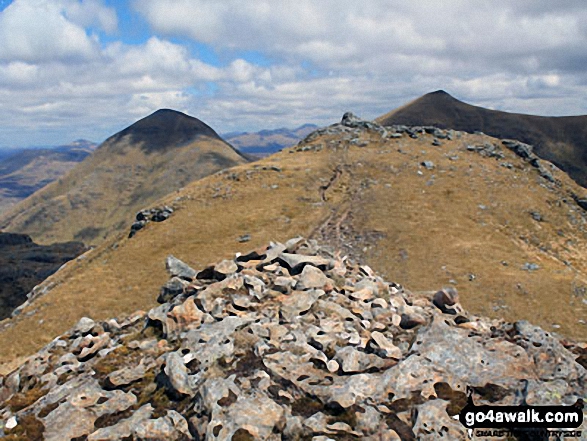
[(88, 68)]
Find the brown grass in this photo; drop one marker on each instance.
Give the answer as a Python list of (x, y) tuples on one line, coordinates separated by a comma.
[(422, 236), (100, 197)]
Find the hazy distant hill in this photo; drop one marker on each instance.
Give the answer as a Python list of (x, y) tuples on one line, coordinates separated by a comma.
[(129, 171), (24, 171), (561, 140), (266, 142), (465, 211)]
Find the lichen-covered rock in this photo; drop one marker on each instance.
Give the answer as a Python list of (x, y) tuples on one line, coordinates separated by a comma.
[(287, 341)]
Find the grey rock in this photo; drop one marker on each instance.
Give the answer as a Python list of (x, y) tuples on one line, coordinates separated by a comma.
[(433, 423), (126, 375), (311, 277), (124, 428), (536, 216), (84, 326), (176, 267), (240, 356), (446, 299), (226, 267), (296, 262), (386, 346), (528, 266), (299, 302), (177, 374), (255, 416), (172, 427), (352, 360), (172, 288)]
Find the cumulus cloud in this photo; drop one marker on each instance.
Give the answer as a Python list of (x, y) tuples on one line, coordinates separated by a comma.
[(48, 30), (339, 34), (319, 60)]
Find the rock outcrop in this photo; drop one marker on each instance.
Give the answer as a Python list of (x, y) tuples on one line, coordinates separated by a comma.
[(291, 341)]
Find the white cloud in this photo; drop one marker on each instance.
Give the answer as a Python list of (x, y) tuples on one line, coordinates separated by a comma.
[(48, 30), (320, 59), (345, 33)]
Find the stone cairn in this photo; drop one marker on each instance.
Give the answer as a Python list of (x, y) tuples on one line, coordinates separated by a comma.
[(290, 341)]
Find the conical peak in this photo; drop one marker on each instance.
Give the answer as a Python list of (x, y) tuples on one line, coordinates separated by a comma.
[(164, 129)]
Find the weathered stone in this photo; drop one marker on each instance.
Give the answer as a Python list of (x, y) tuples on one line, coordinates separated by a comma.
[(226, 267), (299, 302), (311, 277), (183, 317), (172, 288), (353, 360), (433, 423), (176, 267), (172, 427), (177, 374), (90, 345), (409, 321), (296, 262), (327, 355), (446, 299), (126, 375), (84, 326), (254, 417), (387, 348), (284, 284), (124, 428), (85, 403)]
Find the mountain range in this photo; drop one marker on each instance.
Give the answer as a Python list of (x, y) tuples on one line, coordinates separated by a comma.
[(368, 281), (423, 206), (153, 157), (266, 142), (24, 171)]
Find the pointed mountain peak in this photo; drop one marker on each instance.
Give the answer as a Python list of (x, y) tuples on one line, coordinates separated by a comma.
[(165, 129), (439, 95)]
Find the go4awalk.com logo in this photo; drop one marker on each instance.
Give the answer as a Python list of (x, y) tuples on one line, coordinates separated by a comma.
[(535, 422)]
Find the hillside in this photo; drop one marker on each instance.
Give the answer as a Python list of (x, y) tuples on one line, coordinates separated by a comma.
[(466, 211), (291, 341), (560, 140), (129, 171), (24, 171), (24, 264), (266, 142)]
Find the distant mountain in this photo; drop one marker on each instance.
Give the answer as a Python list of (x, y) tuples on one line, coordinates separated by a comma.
[(560, 139), (130, 170), (24, 264), (424, 208), (267, 142), (24, 171)]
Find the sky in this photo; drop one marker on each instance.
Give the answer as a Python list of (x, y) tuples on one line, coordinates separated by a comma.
[(74, 69)]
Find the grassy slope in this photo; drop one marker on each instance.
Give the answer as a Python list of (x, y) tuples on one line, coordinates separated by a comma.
[(100, 196), (29, 170), (560, 140), (379, 208)]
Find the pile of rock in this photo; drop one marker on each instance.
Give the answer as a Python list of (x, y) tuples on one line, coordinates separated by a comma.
[(291, 341), (351, 125), (157, 214), (525, 152), (487, 149)]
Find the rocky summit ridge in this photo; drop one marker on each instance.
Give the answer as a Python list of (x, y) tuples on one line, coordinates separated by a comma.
[(558, 139), (289, 341)]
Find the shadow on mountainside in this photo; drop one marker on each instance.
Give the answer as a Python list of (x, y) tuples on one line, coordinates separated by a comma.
[(24, 264)]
